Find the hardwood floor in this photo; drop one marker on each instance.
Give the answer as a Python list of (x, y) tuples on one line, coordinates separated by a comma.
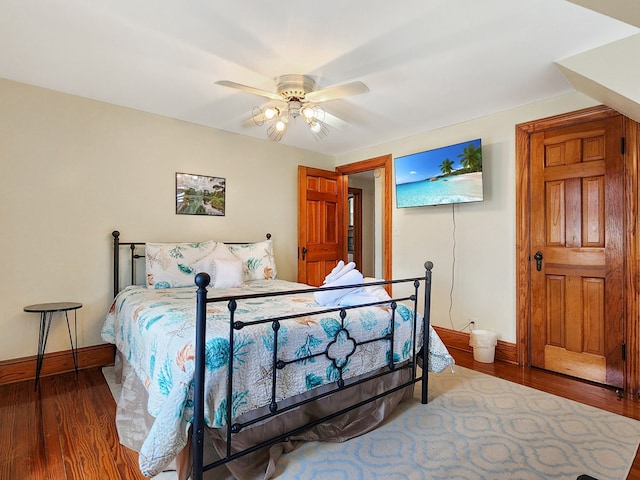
[(66, 430)]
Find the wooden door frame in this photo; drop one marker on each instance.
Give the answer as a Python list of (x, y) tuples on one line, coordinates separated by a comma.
[(384, 162), (631, 245), (357, 225)]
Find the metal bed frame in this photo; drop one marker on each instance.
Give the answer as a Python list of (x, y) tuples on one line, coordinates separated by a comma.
[(202, 300)]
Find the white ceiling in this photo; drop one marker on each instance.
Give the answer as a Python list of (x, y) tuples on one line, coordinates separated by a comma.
[(427, 63)]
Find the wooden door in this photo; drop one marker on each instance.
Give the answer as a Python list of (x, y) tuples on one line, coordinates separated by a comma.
[(322, 197), (577, 250)]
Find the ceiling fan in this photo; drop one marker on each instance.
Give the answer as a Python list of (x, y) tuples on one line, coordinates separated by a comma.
[(296, 96)]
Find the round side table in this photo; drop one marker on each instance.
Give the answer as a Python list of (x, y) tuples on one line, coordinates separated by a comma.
[(46, 311)]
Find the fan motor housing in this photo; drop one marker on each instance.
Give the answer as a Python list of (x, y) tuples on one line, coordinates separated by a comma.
[(295, 87)]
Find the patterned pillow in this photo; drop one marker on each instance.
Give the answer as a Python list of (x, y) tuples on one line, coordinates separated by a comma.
[(258, 262), (171, 265)]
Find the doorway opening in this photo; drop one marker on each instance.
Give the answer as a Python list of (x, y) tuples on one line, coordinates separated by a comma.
[(354, 229), (379, 169)]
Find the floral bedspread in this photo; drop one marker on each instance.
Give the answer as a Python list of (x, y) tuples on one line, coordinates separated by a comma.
[(155, 331)]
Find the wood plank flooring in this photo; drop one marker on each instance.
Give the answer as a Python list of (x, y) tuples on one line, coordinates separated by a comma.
[(66, 430)]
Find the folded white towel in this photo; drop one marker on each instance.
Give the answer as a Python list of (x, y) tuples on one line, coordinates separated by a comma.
[(331, 297), (335, 270), (336, 274), (356, 298), (360, 296)]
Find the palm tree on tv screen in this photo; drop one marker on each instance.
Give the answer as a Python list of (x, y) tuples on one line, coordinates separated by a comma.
[(446, 166), (471, 158)]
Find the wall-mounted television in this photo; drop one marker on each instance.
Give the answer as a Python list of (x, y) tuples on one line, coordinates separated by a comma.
[(445, 175)]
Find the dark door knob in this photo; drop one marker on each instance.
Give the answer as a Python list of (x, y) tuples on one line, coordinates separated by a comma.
[(304, 253), (538, 258)]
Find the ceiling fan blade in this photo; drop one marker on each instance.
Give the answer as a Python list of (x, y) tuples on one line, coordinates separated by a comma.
[(246, 88), (339, 91), (249, 122), (334, 121)]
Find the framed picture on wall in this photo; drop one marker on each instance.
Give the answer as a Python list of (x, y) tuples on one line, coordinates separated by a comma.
[(199, 195)]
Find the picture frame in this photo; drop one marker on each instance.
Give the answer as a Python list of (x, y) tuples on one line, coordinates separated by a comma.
[(200, 195)]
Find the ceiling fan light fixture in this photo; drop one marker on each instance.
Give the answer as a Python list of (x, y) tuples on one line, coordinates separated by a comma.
[(275, 134), (315, 126), (271, 112), (318, 129), (280, 126), (308, 112), (258, 116), (311, 112)]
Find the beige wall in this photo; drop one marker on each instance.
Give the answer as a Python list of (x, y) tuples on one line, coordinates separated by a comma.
[(484, 274), (72, 170)]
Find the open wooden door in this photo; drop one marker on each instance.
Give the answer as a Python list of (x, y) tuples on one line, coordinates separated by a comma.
[(322, 197), (577, 250)]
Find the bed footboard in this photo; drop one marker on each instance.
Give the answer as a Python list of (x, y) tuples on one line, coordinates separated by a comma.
[(417, 356)]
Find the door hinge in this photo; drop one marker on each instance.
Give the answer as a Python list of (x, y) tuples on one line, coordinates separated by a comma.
[(624, 351), (622, 145)]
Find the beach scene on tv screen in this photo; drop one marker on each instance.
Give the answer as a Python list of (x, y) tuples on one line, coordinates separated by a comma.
[(444, 175)]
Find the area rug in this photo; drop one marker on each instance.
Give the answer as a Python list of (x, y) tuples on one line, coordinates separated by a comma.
[(475, 426)]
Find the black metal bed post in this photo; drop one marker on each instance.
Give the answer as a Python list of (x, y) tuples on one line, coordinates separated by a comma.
[(133, 263), (197, 434), (116, 262), (232, 311), (392, 327), (425, 334), (414, 355)]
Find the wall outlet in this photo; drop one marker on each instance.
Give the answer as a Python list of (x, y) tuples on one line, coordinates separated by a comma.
[(473, 323)]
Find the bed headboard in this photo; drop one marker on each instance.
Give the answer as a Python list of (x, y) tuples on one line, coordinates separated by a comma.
[(136, 252)]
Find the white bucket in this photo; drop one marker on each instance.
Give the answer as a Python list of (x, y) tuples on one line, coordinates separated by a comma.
[(484, 345), (484, 354)]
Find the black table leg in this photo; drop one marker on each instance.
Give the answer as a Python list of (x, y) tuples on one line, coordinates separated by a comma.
[(74, 346), (45, 325)]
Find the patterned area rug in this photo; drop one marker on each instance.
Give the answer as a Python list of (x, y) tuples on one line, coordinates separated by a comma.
[(476, 427)]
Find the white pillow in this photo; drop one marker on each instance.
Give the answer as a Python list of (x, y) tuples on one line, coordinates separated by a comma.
[(258, 262), (171, 265), (226, 273), (224, 268)]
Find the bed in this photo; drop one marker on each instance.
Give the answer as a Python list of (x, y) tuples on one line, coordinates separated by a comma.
[(214, 350)]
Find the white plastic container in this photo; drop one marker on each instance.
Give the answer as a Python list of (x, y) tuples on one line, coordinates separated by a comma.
[(484, 345)]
